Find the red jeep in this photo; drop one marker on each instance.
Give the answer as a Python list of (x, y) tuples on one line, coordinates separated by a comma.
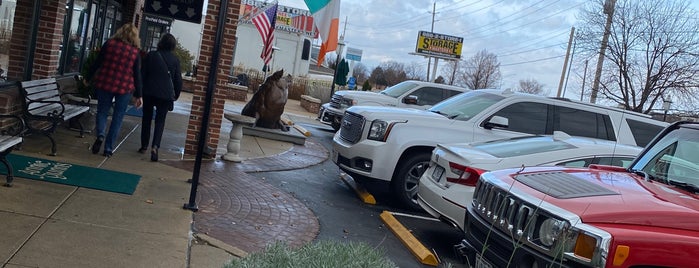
[(602, 216)]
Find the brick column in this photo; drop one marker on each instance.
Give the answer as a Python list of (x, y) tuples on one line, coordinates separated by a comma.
[(203, 72), (18, 41), (49, 38)]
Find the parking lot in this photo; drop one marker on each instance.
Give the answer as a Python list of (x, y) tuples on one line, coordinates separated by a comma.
[(343, 216)]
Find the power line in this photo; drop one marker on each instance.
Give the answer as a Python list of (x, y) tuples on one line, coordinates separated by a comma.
[(532, 61)]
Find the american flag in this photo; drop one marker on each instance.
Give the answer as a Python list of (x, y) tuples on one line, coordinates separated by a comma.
[(264, 22)]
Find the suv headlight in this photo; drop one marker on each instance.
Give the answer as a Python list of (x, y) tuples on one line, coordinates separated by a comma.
[(347, 102), (380, 129)]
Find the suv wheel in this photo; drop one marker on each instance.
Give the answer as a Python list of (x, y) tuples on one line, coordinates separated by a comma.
[(404, 184)]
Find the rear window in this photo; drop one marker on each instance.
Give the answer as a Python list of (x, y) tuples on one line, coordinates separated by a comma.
[(583, 123), (643, 133), (522, 146)]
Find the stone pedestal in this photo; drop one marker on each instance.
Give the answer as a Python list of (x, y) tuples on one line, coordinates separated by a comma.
[(233, 147)]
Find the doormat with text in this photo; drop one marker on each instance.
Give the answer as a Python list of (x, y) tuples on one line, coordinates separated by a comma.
[(72, 174)]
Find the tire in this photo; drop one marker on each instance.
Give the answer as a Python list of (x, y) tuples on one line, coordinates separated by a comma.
[(404, 183)]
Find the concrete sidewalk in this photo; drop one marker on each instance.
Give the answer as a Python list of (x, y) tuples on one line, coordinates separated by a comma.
[(53, 225)]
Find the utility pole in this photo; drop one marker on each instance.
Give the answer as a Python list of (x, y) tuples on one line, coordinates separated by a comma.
[(582, 90), (609, 10), (565, 63), (429, 59)]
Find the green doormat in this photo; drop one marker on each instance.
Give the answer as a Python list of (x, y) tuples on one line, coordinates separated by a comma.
[(71, 174)]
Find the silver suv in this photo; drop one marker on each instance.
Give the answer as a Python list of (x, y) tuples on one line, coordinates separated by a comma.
[(407, 94), (395, 145)]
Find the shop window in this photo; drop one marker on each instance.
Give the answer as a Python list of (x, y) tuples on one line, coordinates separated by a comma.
[(7, 18), (74, 35)]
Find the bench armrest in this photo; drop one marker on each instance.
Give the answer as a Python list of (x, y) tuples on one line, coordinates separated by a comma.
[(78, 99), (11, 125)]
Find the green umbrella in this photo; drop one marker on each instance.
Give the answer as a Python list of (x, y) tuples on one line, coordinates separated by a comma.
[(341, 73)]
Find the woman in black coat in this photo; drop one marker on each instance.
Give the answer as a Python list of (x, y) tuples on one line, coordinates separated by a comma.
[(162, 84)]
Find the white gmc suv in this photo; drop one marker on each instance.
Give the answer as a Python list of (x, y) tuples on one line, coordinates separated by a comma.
[(395, 145), (407, 94)]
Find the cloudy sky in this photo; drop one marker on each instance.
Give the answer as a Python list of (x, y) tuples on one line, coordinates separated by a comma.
[(529, 37)]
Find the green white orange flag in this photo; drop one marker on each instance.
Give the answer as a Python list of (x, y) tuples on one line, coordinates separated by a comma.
[(326, 16)]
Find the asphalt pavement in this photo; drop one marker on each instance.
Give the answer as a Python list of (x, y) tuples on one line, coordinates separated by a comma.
[(344, 217)]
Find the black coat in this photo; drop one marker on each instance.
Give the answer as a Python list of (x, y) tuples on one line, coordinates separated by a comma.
[(155, 75)]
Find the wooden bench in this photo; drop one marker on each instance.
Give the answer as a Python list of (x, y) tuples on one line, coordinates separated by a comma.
[(11, 127), (44, 108)]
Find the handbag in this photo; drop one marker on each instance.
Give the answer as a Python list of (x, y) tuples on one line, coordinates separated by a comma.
[(169, 75)]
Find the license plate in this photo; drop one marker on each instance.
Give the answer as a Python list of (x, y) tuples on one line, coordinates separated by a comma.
[(437, 173), (481, 263)]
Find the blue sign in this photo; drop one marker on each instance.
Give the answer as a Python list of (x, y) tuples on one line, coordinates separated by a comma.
[(352, 82), (184, 10), (353, 54)]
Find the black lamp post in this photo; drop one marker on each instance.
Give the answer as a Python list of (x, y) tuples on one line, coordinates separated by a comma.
[(340, 46)]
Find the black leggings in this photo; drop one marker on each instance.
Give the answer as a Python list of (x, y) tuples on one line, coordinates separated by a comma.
[(161, 108)]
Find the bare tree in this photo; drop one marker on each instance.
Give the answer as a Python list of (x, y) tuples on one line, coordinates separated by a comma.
[(652, 51), (414, 71), (361, 72), (449, 71), (377, 76), (392, 72), (480, 71), (530, 86)]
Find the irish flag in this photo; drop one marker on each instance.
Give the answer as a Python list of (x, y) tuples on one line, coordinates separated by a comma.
[(326, 15)]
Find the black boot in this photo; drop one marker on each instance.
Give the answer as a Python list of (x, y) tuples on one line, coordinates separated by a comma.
[(98, 143), (154, 154)]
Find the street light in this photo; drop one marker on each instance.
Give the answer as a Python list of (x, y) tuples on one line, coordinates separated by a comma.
[(340, 46), (666, 106)]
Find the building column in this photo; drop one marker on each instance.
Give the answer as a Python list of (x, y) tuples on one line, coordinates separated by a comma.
[(48, 40), (204, 70)]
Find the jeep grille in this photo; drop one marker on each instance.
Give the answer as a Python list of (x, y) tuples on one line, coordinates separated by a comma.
[(351, 127), (502, 210)]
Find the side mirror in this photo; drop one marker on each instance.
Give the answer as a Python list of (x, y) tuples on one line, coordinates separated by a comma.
[(410, 99), (496, 122)]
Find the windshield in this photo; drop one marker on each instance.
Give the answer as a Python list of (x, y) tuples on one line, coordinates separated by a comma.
[(674, 159), (466, 105), (399, 89), (522, 146)]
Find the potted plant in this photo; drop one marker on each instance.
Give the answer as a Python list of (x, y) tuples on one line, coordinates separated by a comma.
[(84, 88)]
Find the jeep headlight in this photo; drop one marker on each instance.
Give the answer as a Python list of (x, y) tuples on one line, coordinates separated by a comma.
[(550, 230)]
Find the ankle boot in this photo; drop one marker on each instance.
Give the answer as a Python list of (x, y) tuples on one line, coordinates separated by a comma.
[(154, 154)]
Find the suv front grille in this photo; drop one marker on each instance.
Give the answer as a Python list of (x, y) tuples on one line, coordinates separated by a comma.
[(351, 127), (335, 101)]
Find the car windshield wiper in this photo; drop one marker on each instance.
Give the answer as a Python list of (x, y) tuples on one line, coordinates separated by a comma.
[(645, 175), (440, 112), (687, 186)]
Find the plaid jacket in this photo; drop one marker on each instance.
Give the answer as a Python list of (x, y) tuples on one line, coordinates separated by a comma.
[(117, 68)]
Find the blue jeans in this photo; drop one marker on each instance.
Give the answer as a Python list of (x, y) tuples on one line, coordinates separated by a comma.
[(104, 103)]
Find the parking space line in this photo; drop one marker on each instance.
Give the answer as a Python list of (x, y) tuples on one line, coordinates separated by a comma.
[(363, 194), (424, 255)]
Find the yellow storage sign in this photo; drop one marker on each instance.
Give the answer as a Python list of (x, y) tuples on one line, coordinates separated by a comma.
[(440, 45)]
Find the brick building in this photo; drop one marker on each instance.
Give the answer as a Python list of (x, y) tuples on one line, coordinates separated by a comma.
[(52, 38)]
